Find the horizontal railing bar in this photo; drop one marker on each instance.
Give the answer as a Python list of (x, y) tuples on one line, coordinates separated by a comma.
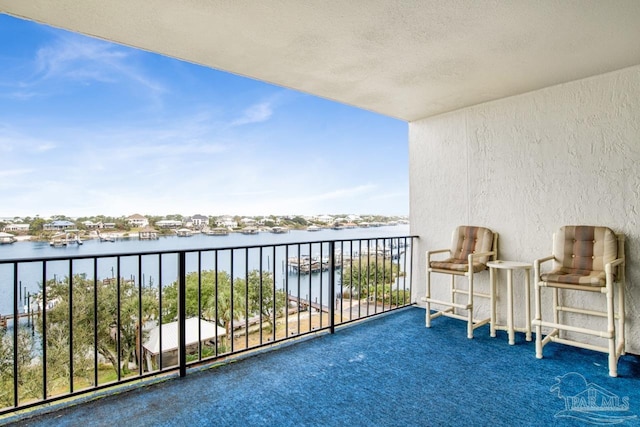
[(195, 250)]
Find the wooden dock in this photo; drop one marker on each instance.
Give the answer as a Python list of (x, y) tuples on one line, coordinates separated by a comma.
[(306, 303), (306, 266), (4, 320)]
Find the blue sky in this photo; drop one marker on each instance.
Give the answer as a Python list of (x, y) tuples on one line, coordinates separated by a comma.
[(89, 127)]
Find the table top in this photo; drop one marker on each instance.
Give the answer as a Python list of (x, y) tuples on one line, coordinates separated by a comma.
[(509, 265)]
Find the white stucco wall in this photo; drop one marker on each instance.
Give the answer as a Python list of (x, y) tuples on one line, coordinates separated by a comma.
[(526, 165)]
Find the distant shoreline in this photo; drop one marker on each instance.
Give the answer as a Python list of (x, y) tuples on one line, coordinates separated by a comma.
[(133, 234)]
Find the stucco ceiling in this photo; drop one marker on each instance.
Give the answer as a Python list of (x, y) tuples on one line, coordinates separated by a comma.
[(405, 59)]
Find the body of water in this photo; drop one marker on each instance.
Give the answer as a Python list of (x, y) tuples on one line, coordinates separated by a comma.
[(156, 270)]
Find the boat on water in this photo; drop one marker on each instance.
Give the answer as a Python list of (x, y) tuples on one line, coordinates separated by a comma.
[(73, 237), (58, 242), (313, 228), (7, 238), (148, 233), (219, 231), (62, 240), (249, 230), (279, 230), (107, 238), (184, 232)]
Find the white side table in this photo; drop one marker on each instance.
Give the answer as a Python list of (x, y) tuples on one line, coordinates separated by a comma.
[(510, 266)]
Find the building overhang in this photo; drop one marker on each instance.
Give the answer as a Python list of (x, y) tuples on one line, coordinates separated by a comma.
[(407, 60)]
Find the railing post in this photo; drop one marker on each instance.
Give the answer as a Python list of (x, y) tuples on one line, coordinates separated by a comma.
[(182, 316), (15, 335), (332, 286)]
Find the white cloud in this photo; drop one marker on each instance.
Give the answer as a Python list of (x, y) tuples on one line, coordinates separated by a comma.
[(76, 58), (256, 113), (46, 146), (81, 59), (21, 95)]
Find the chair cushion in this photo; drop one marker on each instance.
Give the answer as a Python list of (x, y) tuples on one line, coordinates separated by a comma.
[(586, 248), (581, 252), (457, 265), (468, 239), (574, 276)]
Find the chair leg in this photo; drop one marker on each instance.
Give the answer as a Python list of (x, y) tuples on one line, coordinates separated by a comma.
[(621, 314), (428, 305), (613, 359), (538, 319), (470, 309), (452, 287), (556, 313), (492, 293)]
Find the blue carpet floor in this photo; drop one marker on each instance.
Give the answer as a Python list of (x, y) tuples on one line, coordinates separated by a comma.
[(390, 371)]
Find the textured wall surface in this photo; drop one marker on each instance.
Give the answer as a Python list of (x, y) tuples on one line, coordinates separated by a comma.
[(526, 165)]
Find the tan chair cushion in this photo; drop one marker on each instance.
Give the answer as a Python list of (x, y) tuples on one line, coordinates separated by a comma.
[(573, 276), (457, 265), (467, 240), (581, 252)]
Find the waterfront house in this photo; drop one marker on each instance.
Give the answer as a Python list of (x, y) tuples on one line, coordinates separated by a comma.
[(199, 221), (16, 227), (168, 224), (248, 221), (138, 221), (90, 225), (227, 222), (327, 219), (59, 225)]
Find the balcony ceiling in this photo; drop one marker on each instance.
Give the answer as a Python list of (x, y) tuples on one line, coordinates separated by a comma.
[(404, 59)]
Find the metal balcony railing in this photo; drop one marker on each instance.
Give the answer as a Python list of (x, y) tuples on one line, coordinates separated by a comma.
[(102, 320)]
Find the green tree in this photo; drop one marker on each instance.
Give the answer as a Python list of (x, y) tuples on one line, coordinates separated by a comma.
[(82, 321), (36, 225), (261, 297), (250, 298), (29, 374), (371, 276)]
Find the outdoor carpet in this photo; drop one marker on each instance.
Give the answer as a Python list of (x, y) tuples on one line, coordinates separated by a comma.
[(388, 371)]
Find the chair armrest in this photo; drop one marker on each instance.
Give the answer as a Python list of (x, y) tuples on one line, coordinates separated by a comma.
[(537, 263), (542, 260), (616, 262), (470, 258), (479, 254), (437, 251)]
